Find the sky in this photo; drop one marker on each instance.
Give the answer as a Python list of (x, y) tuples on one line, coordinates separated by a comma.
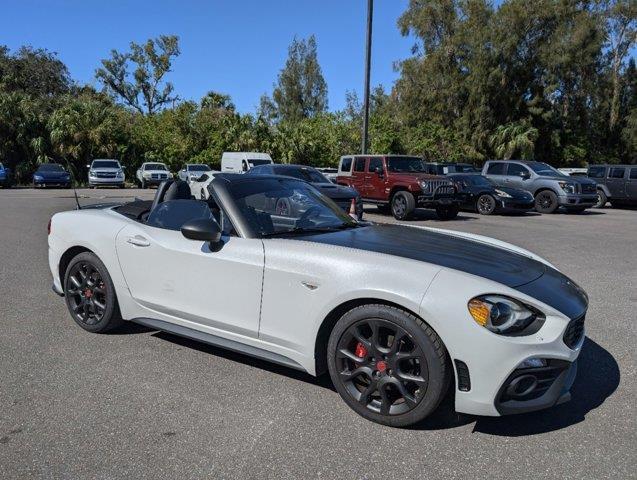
[(236, 47)]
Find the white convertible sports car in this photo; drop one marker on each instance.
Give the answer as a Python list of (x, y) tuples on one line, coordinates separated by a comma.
[(396, 314)]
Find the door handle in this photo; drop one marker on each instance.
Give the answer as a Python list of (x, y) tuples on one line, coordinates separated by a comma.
[(138, 241)]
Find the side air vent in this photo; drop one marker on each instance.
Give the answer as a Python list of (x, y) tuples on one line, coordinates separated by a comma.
[(464, 381)]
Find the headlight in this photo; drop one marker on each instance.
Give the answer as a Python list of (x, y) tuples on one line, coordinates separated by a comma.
[(92, 174), (504, 315), (38, 177), (502, 194), (567, 187)]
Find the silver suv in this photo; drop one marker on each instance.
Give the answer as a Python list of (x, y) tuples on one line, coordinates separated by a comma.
[(550, 188)]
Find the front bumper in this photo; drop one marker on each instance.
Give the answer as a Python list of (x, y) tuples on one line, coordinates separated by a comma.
[(53, 182), (577, 200), (105, 181), (511, 204)]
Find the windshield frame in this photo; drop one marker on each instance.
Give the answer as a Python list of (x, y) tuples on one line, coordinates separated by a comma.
[(45, 167), (93, 165), (392, 168), (199, 167), (226, 191), (554, 172)]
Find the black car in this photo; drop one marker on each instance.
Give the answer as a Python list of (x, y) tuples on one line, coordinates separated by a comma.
[(446, 168), (478, 194), (51, 174), (340, 194)]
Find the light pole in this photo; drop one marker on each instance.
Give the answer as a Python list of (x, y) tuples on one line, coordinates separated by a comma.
[(368, 61)]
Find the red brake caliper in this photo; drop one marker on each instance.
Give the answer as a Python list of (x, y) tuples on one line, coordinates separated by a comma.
[(360, 351)]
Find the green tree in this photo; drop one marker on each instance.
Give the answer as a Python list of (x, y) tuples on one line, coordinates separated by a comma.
[(514, 140), (301, 91), (144, 89)]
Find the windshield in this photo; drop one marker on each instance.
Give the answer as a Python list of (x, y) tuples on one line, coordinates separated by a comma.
[(199, 168), (155, 166), (307, 174), (278, 206), (406, 164), (254, 163), (105, 164), (544, 169), (50, 167)]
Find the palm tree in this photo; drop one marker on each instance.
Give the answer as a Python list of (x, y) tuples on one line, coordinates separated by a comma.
[(514, 139)]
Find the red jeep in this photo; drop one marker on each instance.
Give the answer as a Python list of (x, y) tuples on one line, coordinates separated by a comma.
[(399, 183)]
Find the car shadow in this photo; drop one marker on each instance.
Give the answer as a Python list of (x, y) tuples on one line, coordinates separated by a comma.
[(597, 378), (586, 213), (322, 381)]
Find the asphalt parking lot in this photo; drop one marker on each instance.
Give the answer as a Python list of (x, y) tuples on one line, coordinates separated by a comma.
[(143, 404)]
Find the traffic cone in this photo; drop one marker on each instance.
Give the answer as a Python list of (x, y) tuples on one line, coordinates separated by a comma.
[(352, 210)]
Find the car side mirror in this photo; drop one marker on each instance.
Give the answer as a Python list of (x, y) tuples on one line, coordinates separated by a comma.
[(525, 175), (202, 229)]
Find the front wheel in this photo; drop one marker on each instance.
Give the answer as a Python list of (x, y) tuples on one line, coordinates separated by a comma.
[(546, 202), (388, 365), (447, 212), (403, 205), (90, 295), (601, 199), (485, 204)]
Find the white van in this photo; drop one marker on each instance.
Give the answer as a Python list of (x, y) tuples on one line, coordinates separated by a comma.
[(241, 162)]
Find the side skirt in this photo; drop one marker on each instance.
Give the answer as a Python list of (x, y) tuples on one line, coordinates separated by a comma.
[(218, 341)]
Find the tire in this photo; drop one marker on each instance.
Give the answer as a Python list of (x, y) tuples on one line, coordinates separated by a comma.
[(403, 205), (351, 348), (485, 204), (546, 201), (601, 199), (90, 294), (447, 212)]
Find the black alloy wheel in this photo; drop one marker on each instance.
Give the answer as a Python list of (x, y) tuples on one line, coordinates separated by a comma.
[(387, 365), (90, 295), (485, 204), (546, 202)]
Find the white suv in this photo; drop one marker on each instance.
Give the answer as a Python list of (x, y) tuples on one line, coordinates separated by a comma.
[(105, 172), (152, 173)]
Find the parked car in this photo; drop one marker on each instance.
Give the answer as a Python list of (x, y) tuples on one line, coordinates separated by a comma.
[(398, 183), (6, 176), (341, 195), (330, 173), (574, 172), (241, 162), (51, 174), (105, 172), (394, 313), (478, 194), (199, 187), (550, 188), (440, 168), (615, 183), (192, 171), (152, 173)]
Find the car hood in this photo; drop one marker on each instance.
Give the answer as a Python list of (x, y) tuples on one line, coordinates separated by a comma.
[(156, 171), (478, 258), (52, 174), (411, 177), (336, 191), (105, 170), (474, 256)]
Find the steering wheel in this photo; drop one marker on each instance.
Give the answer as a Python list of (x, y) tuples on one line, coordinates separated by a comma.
[(308, 215)]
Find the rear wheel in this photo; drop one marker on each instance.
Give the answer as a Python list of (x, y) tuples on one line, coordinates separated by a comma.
[(485, 205), (90, 295), (403, 205), (601, 199), (447, 212), (546, 202), (388, 365)]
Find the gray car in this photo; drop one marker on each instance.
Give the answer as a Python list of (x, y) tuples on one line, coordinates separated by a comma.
[(550, 188), (105, 172), (615, 183)]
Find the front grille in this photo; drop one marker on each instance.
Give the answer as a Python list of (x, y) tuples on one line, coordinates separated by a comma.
[(105, 175), (430, 186), (158, 176), (574, 332), (586, 188)]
